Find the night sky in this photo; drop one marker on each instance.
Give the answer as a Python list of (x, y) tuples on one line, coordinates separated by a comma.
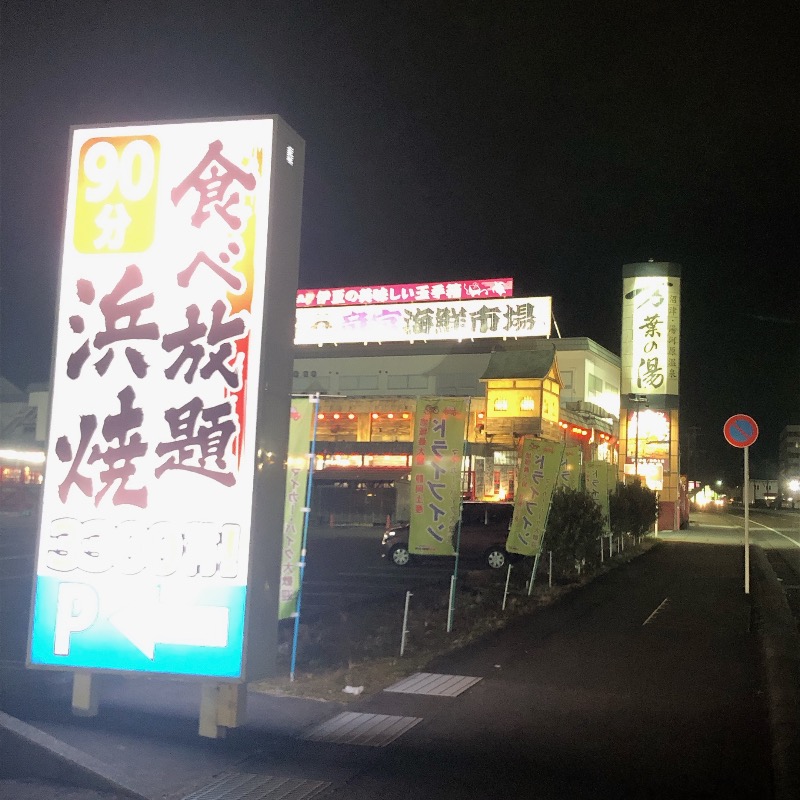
[(549, 142)]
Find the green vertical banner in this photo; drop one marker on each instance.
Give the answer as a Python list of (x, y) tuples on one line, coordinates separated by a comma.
[(539, 470), (598, 485), (612, 478), (297, 469), (439, 428), (570, 475)]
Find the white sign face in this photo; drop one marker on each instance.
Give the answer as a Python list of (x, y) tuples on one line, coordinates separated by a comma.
[(409, 322), (146, 513), (650, 335)]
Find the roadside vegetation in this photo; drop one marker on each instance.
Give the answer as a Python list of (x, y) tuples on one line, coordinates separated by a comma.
[(358, 645)]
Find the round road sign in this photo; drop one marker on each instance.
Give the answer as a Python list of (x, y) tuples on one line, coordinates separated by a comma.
[(740, 430)]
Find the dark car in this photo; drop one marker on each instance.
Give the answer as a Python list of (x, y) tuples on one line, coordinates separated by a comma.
[(484, 530)]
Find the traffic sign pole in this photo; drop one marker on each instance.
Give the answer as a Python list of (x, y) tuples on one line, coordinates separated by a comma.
[(741, 431), (747, 520)]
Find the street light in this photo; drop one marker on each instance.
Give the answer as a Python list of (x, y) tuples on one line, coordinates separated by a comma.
[(637, 400)]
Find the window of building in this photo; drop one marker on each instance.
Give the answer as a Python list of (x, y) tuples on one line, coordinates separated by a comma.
[(526, 404), (595, 386), (566, 379), (501, 404)]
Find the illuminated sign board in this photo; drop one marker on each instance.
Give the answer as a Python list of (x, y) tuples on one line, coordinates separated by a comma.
[(650, 471), (650, 334), (145, 541), (406, 293), (409, 322), (654, 434)]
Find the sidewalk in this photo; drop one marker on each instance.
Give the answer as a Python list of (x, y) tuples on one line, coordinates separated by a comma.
[(644, 683)]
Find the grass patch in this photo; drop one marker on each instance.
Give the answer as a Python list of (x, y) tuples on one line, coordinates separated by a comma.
[(359, 645)]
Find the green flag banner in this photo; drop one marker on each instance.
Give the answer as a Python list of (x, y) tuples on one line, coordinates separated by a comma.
[(539, 470), (570, 474), (297, 469), (598, 486), (439, 429), (612, 478)]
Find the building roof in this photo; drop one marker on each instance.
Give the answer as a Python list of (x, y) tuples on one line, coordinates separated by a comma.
[(572, 343), (520, 364)]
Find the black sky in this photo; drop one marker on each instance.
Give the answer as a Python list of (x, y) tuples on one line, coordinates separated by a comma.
[(550, 142)]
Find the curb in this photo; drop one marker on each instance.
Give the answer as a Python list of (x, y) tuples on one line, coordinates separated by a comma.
[(779, 646), (22, 744)]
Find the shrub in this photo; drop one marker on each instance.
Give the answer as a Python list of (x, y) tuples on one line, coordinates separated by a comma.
[(633, 508), (574, 527)]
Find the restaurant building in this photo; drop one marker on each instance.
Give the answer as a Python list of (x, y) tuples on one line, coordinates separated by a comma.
[(517, 385)]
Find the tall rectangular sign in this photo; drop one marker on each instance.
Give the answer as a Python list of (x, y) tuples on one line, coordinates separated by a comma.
[(539, 472), (294, 515), (163, 476), (439, 429), (599, 478), (570, 473), (650, 334)]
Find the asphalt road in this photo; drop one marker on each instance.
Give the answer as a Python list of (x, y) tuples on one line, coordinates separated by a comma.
[(777, 531), (644, 684)]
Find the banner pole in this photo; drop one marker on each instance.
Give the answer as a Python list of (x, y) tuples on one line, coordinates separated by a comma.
[(405, 624), (533, 573), (314, 400), (454, 578), (451, 603), (505, 591)]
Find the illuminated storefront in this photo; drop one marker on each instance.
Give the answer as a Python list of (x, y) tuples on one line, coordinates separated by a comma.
[(21, 475), (368, 397)]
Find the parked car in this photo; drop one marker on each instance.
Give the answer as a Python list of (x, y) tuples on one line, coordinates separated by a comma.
[(484, 530)]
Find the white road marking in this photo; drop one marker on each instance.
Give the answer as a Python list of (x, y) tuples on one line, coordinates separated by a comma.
[(660, 607), (788, 538)]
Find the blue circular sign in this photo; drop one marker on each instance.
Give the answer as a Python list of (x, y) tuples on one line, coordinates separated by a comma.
[(740, 430)]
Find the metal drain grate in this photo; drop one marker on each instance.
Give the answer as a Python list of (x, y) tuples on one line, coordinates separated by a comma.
[(431, 683), (244, 786), (372, 730)]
